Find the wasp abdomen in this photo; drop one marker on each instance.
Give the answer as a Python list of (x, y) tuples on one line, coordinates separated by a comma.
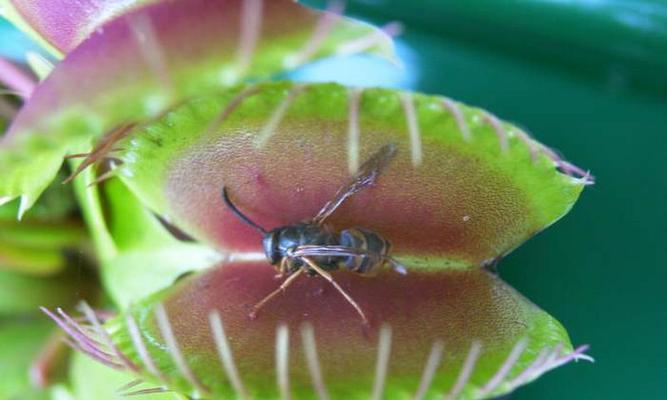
[(368, 242)]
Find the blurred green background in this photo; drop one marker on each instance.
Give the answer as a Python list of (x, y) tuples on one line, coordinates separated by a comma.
[(589, 78)]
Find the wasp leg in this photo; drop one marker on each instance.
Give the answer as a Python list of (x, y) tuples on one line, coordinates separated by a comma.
[(288, 281), (329, 278), (282, 268)]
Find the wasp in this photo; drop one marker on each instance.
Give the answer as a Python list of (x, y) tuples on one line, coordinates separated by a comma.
[(313, 248)]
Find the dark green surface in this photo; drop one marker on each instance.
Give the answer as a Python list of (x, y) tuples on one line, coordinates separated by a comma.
[(600, 270), (609, 41)]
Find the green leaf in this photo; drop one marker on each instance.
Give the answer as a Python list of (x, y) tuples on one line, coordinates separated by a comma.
[(456, 314), (93, 381), (58, 31), (138, 255), (141, 64), (56, 204), (463, 188)]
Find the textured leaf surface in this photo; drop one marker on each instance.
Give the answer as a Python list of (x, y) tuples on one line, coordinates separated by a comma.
[(64, 24), (464, 187), (144, 62), (456, 308)]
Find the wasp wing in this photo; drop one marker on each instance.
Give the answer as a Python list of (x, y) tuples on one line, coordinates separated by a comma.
[(342, 251), (367, 175), (327, 251)]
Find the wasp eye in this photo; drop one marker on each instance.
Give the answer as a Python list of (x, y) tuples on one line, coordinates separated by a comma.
[(270, 245)]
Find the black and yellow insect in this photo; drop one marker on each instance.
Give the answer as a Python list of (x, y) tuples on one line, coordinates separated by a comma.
[(314, 248)]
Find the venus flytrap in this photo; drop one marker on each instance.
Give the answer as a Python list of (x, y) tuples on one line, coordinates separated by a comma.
[(164, 113), (144, 62), (492, 338)]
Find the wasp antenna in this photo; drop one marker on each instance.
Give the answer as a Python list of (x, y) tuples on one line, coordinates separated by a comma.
[(238, 213)]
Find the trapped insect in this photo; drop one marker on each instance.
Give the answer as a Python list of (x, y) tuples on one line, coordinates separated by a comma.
[(313, 247)]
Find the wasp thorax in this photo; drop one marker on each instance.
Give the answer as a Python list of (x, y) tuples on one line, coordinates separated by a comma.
[(279, 243)]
